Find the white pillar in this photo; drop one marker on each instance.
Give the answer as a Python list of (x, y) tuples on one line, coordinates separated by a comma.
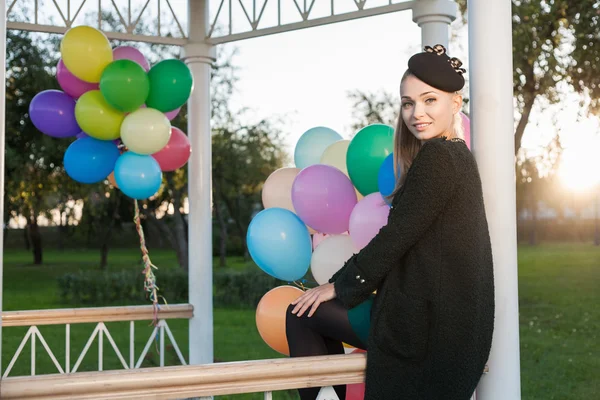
[(2, 138), (434, 18), (199, 57), (491, 101)]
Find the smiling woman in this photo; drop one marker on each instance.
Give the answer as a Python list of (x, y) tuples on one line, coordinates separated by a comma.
[(580, 166)]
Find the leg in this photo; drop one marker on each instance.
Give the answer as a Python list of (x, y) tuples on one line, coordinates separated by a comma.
[(321, 334)]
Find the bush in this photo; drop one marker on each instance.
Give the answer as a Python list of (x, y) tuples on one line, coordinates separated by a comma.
[(231, 288)]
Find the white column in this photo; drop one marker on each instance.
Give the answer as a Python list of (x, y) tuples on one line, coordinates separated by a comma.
[(491, 101), (199, 56), (434, 18), (2, 139)]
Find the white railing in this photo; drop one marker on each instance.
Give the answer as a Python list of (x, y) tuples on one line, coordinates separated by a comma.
[(36, 318)]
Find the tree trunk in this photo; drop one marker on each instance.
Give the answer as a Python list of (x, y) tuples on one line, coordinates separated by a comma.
[(181, 243), (104, 247), (36, 240), (529, 101), (222, 228), (26, 240)]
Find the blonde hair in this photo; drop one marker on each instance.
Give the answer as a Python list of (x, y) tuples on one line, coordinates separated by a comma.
[(406, 145)]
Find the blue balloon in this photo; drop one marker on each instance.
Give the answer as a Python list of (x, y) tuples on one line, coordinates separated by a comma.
[(386, 180), (312, 144), (279, 243), (138, 176), (89, 160)]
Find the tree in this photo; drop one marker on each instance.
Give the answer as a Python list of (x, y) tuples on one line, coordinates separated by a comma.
[(33, 160)]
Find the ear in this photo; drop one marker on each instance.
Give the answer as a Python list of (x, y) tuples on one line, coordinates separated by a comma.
[(457, 101)]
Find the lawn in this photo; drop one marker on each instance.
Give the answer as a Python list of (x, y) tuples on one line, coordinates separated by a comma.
[(559, 319)]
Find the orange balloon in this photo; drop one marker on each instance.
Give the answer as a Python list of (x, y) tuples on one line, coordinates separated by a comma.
[(270, 316), (111, 180)]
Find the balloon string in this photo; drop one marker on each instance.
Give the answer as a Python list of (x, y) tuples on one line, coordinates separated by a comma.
[(149, 280)]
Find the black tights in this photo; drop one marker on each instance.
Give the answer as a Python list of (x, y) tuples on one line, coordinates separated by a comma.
[(321, 334)]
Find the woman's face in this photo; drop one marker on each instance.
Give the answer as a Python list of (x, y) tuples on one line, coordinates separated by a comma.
[(427, 112)]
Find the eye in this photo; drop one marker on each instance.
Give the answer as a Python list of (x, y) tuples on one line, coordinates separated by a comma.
[(406, 104), (430, 100)]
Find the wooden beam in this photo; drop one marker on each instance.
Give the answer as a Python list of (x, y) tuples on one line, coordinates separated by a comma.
[(191, 381), (96, 314)]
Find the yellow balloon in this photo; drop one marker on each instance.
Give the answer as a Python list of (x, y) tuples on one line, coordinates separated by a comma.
[(97, 118), (146, 131), (86, 52), (335, 155)]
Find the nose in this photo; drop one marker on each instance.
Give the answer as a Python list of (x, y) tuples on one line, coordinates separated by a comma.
[(418, 110)]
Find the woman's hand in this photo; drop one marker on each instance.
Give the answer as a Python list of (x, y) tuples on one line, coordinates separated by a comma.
[(313, 297)]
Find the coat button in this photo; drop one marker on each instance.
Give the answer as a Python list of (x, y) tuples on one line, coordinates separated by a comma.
[(357, 276), (362, 281)]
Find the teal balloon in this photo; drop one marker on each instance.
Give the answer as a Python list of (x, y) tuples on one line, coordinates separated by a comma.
[(138, 176), (366, 152), (171, 84), (312, 144), (279, 243)]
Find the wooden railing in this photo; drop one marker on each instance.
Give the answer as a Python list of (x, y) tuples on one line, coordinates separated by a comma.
[(99, 316), (191, 381)]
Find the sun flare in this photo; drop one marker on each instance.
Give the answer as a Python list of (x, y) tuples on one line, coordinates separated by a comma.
[(580, 166)]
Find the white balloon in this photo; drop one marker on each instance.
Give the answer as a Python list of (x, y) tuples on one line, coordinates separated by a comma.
[(330, 255)]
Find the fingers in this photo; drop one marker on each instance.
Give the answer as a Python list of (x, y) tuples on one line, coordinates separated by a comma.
[(302, 305), (314, 307)]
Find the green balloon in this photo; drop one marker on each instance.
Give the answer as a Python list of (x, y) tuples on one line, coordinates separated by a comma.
[(171, 83), (366, 152), (124, 85)]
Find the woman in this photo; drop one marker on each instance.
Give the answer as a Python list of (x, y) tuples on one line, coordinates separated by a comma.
[(428, 329)]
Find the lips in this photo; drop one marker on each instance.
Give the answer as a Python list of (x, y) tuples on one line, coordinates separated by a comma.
[(421, 126)]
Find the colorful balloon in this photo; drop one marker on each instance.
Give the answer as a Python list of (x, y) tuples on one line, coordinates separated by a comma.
[(89, 160), (97, 118), (277, 190), (335, 155), (323, 198), (367, 218), (72, 85), (176, 153), (312, 144), (86, 52), (367, 150), (271, 314), (466, 128), (145, 131), (133, 54), (125, 85), (172, 114), (171, 84), (330, 256), (138, 176), (279, 244), (355, 391), (386, 178), (53, 113)]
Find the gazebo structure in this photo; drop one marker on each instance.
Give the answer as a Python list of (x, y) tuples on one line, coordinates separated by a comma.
[(491, 102)]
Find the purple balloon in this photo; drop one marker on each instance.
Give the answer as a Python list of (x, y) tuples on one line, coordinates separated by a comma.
[(172, 114), (53, 113), (81, 135), (72, 85), (323, 198), (131, 53)]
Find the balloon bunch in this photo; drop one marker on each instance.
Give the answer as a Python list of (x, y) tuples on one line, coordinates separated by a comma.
[(119, 110), (321, 212)]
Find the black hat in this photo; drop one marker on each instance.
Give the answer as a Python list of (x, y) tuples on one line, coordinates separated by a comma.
[(435, 68)]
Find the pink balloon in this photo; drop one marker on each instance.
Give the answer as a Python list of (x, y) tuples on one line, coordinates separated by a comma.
[(323, 197), (131, 53), (176, 153), (367, 218), (467, 128), (356, 391), (70, 84), (172, 114)]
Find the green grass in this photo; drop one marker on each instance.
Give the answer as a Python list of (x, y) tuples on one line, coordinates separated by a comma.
[(559, 319)]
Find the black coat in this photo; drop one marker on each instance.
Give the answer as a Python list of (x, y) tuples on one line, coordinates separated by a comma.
[(433, 315)]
